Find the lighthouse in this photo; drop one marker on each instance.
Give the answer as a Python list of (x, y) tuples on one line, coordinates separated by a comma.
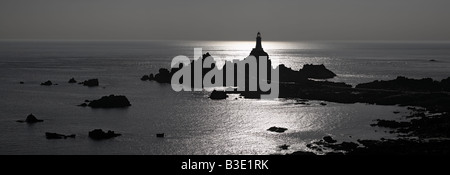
[(258, 42), (258, 50)]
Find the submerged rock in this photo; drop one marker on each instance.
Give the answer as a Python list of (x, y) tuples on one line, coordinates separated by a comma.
[(284, 147), (111, 101), (90, 82), (99, 134), (160, 135), (21, 82), (30, 119), (47, 83), (218, 95), (277, 129), (50, 135)]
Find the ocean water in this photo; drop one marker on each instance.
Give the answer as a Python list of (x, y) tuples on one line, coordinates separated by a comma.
[(193, 123)]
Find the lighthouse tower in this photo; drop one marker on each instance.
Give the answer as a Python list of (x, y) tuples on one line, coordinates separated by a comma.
[(258, 50), (258, 42)]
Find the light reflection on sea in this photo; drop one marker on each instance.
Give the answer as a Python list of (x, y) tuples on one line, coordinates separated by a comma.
[(193, 123)]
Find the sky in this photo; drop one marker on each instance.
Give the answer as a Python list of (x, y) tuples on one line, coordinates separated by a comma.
[(281, 20)]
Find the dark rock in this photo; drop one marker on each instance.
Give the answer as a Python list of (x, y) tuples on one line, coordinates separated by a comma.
[(277, 129), (396, 112), (151, 77), (145, 78), (90, 82), (111, 101), (47, 83), (99, 134), (404, 84), (50, 135), (346, 146), (160, 135), (218, 95), (21, 82), (284, 147), (30, 119), (72, 80), (323, 104), (163, 76), (316, 71), (432, 60), (329, 139)]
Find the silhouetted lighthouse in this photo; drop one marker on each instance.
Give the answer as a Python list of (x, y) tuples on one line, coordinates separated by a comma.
[(258, 50), (258, 42)]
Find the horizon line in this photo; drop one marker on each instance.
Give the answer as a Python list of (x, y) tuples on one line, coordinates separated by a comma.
[(189, 40)]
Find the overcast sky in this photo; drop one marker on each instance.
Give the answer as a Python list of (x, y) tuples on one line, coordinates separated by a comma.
[(225, 20)]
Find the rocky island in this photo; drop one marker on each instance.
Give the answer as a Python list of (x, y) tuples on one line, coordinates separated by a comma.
[(111, 101)]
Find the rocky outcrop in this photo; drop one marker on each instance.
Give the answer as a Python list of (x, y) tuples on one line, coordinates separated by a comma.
[(277, 129), (90, 83), (284, 147), (111, 101), (286, 74), (30, 119), (47, 83), (329, 139), (218, 95), (99, 134), (145, 78), (163, 76), (72, 80), (409, 84), (316, 71)]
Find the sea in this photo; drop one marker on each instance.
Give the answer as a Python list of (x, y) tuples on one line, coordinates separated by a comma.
[(193, 124)]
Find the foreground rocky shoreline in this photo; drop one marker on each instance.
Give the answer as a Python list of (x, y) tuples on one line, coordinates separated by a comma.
[(425, 132)]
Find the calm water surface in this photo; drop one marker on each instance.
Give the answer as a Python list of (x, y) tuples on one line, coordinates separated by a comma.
[(193, 123)]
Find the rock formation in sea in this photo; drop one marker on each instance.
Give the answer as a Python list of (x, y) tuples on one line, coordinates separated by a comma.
[(286, 74), (47, 83), (277, 129), (218, 95), (72, 80), (409, 84), (90, 82), (99, 134), (30, 119), (111, 101)]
